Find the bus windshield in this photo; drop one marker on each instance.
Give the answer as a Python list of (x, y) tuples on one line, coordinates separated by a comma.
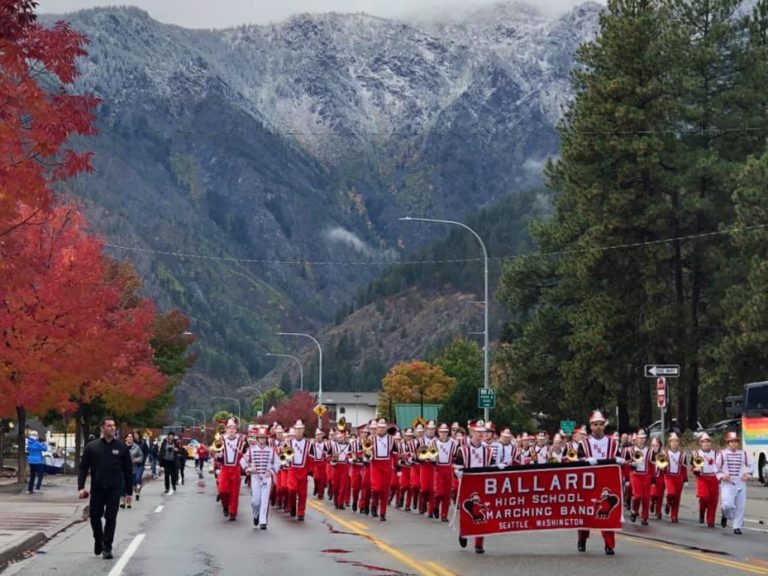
[(756, 400)]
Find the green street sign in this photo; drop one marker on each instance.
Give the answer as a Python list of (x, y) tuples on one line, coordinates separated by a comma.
[(567, 426), (486, 398)]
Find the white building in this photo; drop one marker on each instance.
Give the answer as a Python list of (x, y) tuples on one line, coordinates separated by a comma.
[(357, 407)]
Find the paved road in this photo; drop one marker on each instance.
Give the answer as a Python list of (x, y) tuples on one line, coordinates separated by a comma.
[(185, 534)]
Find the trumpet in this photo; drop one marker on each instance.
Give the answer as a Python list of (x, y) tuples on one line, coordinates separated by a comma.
[(638, 456), (286, 454), (553, 459), (368, 444), (218, 444), (698, 462), (341, 425), (661, 460), (572, 455)]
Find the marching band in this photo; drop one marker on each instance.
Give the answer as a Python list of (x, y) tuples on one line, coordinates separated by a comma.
[(420, 470)]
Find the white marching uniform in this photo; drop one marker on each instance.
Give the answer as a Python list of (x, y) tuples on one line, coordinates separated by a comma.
[(733, 492), (264, 464), (504, 454)]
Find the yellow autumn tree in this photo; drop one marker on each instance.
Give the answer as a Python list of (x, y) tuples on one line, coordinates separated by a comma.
[(406, 382)]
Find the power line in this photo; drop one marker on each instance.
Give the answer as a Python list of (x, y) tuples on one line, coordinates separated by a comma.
[(304, 262)]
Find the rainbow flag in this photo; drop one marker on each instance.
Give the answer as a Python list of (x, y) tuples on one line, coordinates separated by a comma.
[(755, 430)]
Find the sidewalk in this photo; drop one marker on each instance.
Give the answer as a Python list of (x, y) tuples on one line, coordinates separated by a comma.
[(28, 520)]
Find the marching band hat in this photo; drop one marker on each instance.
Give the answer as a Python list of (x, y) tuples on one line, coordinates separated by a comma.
[(231, 423), (443, 428), (542, 435), (419, 428), (582, 429), (431, 424), (478, 426), (261, 431), (299, 424), (291, 432), (673, 436), (382, 422), (252, 428), (704, 436), (506, 433), (491, 426), (524, 436), (373, 424), (408, 432), (641, 433), (319, 431), (732, 435), (455, 426), (362, 428), (596, 416)]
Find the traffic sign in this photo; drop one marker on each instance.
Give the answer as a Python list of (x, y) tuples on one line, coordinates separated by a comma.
[(567, 426), (656, 370), (419, 420), (320, 410), (661, 392), (486, 398)]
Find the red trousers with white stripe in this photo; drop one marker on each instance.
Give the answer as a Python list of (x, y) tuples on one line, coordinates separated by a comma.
[(674, 487), (356, 481), (425, 486), (641, 494), (319, 477), (381, 479), (442, 489), (708, 493), (229, 488), (297, 489), (340, 483)]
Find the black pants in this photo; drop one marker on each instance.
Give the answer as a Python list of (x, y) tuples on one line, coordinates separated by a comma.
[(181, 464), (171, 475), (35, 471), (104, 502)]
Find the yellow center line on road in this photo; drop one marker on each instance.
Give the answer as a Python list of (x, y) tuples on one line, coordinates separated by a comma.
[(415, 565), (735, 564), (442, 570), (358, 525)]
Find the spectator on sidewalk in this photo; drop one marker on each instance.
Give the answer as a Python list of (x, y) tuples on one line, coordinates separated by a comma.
[(109, 463), (168, 460), (35, 450), (138, 479)]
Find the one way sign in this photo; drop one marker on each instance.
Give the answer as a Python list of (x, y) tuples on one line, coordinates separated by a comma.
[(656, 370)]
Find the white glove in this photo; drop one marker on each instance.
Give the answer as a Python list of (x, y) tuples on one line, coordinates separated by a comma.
[(592, 461), (620, 460), (501, 466), (458, 473)]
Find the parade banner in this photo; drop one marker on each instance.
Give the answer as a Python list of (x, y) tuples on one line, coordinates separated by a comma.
[(545, 497)]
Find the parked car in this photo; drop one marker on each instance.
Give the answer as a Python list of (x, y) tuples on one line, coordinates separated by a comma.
[(723, 426), (654, 430)]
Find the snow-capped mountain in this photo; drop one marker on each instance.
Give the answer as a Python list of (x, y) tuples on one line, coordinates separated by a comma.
[(303, 141)]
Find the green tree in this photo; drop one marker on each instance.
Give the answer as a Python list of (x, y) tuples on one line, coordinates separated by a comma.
[(462, 360)]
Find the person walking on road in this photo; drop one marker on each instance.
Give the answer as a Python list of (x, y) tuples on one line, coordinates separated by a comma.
[(181, 463), (109, 463), (154, 456), (35, 448), (734, 470), (260, 462), (137, 462), (202, 458), (168, 460)]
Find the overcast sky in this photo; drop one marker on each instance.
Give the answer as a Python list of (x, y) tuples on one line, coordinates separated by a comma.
[(223, 13)]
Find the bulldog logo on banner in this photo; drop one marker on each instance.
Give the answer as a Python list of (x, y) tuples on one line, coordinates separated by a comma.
[(548, 497)]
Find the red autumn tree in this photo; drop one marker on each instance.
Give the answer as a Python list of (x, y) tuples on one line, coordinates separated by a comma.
[(36, 122), (298, 407)]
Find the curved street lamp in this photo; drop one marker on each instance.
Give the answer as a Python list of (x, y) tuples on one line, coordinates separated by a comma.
[(301, 368)]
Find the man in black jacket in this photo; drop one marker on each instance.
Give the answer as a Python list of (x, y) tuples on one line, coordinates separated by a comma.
[(109, 462)]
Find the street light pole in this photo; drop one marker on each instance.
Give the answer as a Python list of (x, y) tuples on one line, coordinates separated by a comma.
[(301, 368), (239, 411), (486, 347), (205, 432), (320, 371)]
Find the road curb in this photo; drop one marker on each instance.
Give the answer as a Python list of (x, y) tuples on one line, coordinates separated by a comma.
[(18, 548), (36, 539)]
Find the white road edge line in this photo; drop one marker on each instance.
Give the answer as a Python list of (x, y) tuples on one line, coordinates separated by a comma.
[(123, 561), (159, 509)]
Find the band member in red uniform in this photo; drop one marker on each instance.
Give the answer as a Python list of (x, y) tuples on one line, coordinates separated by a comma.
[(707, 487), (426, 471), (643, 470), (446, 453), (474, 454), (298, 472), (261, 464), (415, 483), (658, 486), (676, 474), (328, 468), (597, 446), (356, 465), (381, 470), (317, 456), (367, 455), (340, 451), (405, 461), (229, 477), (541, 448)]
